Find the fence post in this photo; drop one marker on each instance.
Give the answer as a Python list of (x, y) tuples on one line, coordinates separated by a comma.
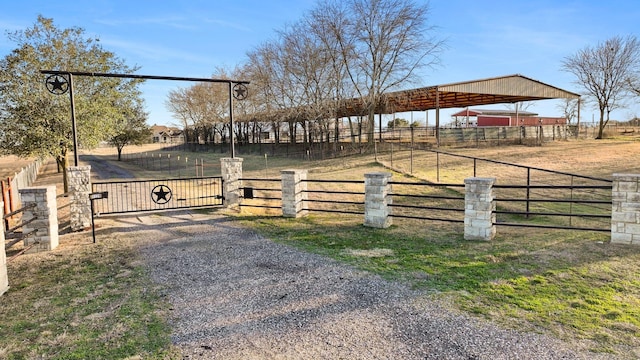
[(294, 193), (4, 279), (625, 209), (45, 212), (377, 198), (231, 170), (79, 180), (479, 215)]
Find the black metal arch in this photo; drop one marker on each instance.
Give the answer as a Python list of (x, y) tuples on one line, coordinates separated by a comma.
[(70, 74)]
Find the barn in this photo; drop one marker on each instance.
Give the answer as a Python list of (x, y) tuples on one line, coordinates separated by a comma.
[(483, 117)]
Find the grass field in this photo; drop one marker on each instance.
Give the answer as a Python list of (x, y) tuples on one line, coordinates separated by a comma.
[(573, 285)]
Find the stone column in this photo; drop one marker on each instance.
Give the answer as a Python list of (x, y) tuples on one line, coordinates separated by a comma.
[(4, 279), (294, 193), (79, 180), (479, 215), (46, 214), (231, 170), (377, 198), (625, 209)]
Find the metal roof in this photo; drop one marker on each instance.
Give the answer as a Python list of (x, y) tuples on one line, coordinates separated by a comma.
[(497, 90)]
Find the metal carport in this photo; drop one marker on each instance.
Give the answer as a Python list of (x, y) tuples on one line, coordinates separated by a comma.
[(497, 90)]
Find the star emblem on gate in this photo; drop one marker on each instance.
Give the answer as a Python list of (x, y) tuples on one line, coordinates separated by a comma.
[(57, 84), (240, 91), (161, 194)]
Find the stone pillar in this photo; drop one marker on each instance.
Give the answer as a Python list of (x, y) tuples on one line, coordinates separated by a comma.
[(294, 193), (479, 215), (377, 198), (79, 180), (231, 170), (4, 279), (625, 209), (46, 214)]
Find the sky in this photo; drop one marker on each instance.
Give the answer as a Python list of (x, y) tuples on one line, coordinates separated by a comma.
[(483, 39)]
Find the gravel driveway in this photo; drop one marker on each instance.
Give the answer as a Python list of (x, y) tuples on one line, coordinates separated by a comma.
[(238, 295)]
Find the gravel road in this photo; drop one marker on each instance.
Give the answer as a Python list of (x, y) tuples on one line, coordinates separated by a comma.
[(238, 295), (102, 169)]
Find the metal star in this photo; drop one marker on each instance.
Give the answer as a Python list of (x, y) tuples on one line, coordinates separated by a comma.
[(162, 196), (57, 84), (240, 91)]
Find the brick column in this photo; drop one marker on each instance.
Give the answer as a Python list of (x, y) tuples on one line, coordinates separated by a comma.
[(294, 193), (231, 170), (4, 279), (625, 209), (479, 218), (46, 212), (376, 200), (79, 180)]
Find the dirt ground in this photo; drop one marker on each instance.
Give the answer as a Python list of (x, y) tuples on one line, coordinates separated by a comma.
[(10, 165)]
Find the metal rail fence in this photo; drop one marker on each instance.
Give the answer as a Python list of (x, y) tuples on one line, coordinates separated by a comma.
[(573, 207), (14, 236)]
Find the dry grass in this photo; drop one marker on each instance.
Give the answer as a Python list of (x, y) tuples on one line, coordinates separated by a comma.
[(574, 285)]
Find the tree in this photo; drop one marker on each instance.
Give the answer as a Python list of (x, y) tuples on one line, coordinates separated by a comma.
[(397, 122), (569, 109), (604, 72), (132, 129), (383, 43), (36, 123)]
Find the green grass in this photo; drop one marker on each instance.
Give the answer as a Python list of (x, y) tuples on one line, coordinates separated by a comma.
[(85, 301), (573, 285)]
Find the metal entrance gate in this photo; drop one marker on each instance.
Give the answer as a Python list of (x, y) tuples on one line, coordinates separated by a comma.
[(157, 195)]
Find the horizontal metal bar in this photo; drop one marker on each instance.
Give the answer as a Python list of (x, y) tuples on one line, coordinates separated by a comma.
[(425, 184), (159, 209), (552, 187), (156, 180), (334, 181), (334, 202), (261, 206), (574, 201), (430, 196), (15, 212), (255, 179), (333, 192), (520, 166), (19, 238), (551, 227), (426, 218), (23, 251), (337, 211), (261, 189), (424, 207), (142, 77), (552, 214), (23, 223), (264, 198)]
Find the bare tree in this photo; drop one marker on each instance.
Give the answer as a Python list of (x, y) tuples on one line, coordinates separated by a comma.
[(569, 109), (604, 72), (382, 45), (201, 109)]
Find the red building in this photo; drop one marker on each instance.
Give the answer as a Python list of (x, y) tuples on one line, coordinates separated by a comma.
[(475, 117)]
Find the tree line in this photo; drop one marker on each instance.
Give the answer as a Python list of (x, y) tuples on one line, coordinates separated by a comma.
[(341, 53), (300, 81)]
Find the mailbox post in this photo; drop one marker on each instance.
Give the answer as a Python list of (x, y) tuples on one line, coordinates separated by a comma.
[(96, 196)]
